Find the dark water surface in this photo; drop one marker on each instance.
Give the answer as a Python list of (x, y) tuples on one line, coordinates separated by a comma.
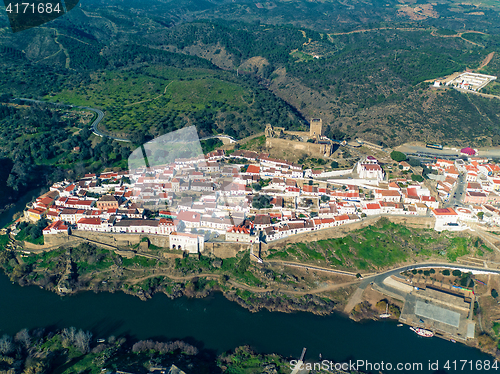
[(220, 325)]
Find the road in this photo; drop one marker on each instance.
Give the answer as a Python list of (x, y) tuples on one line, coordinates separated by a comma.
[(458, 192), (378, 279), (420, 151), (310, 267), (93, 126), (424, 152), (100, 115)]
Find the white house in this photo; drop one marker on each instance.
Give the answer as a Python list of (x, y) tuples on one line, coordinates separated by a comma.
[(191, 243)]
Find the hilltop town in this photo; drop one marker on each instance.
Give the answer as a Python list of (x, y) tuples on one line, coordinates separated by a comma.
[(244, 196)]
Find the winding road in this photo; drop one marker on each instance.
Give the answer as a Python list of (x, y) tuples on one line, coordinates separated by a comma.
[(93, 126), (100, 115)]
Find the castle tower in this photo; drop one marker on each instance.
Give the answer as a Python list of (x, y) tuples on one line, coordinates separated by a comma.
[(316, 128), (269, 132)]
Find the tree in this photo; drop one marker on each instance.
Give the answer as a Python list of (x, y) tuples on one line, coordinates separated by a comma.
[(414, 162), (446, 272), (6, 345), (82, 341), (398, 156), (494, 293), (256, 186), (417, 178), (68, 336), (480, 215), (495, 140), (23, 337), (262, 202), (334, 164)]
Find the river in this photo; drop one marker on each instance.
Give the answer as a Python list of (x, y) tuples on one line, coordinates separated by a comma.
[(6, 217), (217, 324)]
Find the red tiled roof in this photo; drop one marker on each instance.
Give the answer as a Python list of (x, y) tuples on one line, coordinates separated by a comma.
[(58, 225), (254, 169), (239, 230), (90, 221), (188, 216), (444, 212)]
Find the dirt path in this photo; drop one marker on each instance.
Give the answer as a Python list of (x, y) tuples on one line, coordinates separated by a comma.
[(480, 113), (355, 299), (61, 48), (459, 35), (330, 287), (169, 275), (377, 29), (115, 28), (154, 98), (486, 61), (478, 93)]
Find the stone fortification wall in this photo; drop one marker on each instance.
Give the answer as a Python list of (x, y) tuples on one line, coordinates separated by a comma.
[(316, 150), (225, 250), (52, 242), (159, 240), (118, 242), (113, 239)]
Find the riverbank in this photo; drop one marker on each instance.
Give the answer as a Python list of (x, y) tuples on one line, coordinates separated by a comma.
[(220, 325), (74, 351), (43, 271), (271, 286), (88, 268)]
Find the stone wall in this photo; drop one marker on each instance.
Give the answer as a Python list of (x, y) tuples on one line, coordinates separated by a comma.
[(118, 242), (225, 250), (51, 242), (173, 255), (316, 150), (113, 239), (159, 240)]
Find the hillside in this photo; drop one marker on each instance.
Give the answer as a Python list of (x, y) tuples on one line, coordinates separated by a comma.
[(233, 67), (379, 246)]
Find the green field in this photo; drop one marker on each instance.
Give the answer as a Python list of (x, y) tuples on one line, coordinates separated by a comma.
[(161, 99)]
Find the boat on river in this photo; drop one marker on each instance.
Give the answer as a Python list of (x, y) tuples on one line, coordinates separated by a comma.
[(422, 332)]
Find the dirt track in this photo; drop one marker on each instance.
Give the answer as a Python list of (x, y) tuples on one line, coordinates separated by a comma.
[(486, 61)]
